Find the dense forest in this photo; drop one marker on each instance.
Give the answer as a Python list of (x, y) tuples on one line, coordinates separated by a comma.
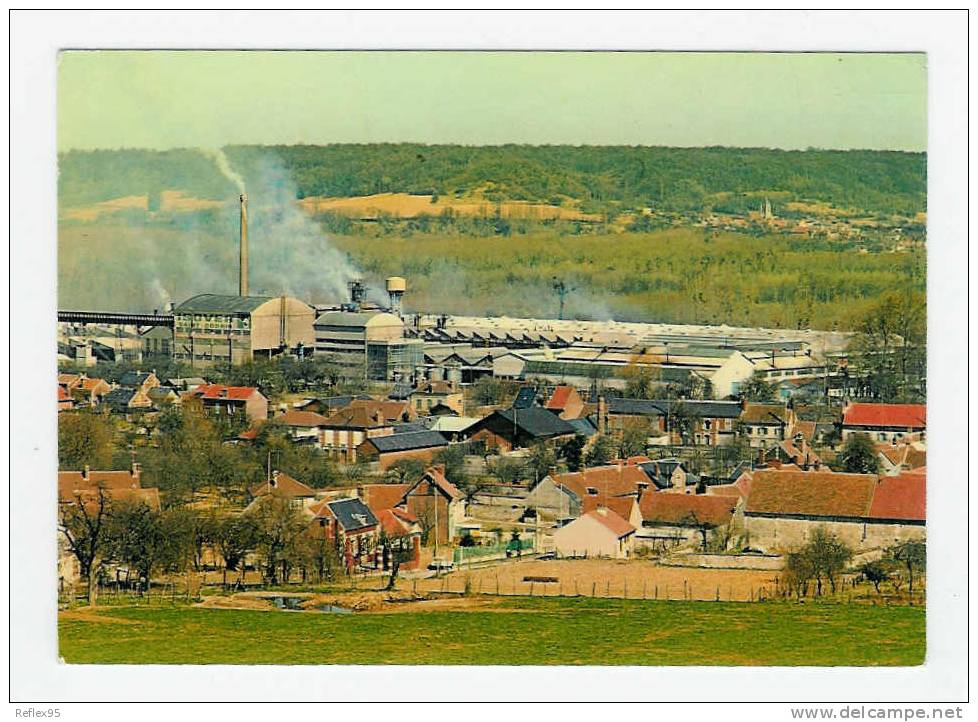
[(599, 178)]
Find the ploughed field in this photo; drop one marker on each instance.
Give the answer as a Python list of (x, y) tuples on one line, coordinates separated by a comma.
[(503, 631)]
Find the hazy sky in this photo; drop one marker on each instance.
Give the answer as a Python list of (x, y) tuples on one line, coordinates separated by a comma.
[(154, 99)]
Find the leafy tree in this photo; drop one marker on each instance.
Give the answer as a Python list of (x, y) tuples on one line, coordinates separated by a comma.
[(572, 452), (453, 458), (278, 526), (405, 471), (634, 437), (912, 555), (823, 557), (488, 391), (641, 376), (235, 536), (757, 389), (540, 461), (601, 452), (876, 572), (145, 539), (859, 455), (508, 470), (84, 439)]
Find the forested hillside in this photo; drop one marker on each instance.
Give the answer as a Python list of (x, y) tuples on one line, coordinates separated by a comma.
[(598, 178)]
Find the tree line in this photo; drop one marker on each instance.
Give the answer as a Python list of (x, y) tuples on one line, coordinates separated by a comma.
[(629, 177)]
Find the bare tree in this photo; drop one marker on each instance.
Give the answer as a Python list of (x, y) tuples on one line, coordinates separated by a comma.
[(85, 525)]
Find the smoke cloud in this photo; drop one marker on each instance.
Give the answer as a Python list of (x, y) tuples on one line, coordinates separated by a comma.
[(224, 165)]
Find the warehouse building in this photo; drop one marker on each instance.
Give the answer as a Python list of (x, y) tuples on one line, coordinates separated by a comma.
[(369, 344), (211, 329)]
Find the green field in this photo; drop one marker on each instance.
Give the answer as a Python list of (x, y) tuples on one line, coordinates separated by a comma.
[(509, 632)]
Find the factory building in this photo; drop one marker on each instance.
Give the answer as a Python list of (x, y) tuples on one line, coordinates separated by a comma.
[(370, 342), (211, 329)]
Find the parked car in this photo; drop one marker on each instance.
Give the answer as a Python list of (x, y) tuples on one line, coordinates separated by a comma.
[(441, 565)]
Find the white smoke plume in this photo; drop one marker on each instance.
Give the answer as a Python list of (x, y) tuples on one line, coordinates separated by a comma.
[(223, 165)]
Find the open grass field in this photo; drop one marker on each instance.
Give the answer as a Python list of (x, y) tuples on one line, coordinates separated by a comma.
[(495, 631)]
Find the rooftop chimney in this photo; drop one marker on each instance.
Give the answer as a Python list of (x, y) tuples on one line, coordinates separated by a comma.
[(243, 248)]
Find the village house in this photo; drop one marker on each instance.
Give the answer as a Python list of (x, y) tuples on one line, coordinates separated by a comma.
[(597, 533), (85, 391), (347, 429), (304, 427), (508, 429), (330, 404), (142, 380), (675, 520), (863, 510), (230, 401), (667, 475), (559, 497), (391, 448), (128, 402), (282, 486), (884, 422), (426, 399), (898, 457), (708, 423), (766, 425), (65, 402), (352, 527), (566, 402), (438, 506), (798, 451)]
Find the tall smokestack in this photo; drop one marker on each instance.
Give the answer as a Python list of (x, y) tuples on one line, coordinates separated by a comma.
[(243, 248)]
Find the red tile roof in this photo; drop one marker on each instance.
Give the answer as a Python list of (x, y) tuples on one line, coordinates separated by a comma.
[(911, 416), (71, 481), (558, 400), (395, 522), (437, 475), (612, 521), (284, 486), (621, 505), (63, 395), (308, 419), (811, 493), (606, 480), (217, 391), (900, 497), (383, 496), (685, 509)]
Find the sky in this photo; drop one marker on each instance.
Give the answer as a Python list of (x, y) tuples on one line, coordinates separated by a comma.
[(165, 99)]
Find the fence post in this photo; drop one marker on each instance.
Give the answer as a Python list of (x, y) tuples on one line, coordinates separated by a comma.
[(643, 589), (685, 582), (531, 589), (497, 585), (718, 592), (624, 589), (594, 587), (607, 589), (656, 591)]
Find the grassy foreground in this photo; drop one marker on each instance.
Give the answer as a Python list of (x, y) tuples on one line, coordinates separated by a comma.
[(510, 632)]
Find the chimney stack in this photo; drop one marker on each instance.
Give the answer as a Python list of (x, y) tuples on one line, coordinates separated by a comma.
[(243, 248)]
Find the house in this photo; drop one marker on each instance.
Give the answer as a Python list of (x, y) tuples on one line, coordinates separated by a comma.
[(330, 404), (696, 520), (863, 510), (766, 425), (352, 526), (526, 398), (884, 422), (118, 485), (437, 505), (566, 402), (668, 475), (393, 412), (139, 380), (598, 533), (895, 458), (709, 423), (283, 486), (383, 496), (186, 383), (129, 402), (88, 391), (429, 395), (509, 429), (799, 452), (801, 388), (65, 402), (346, 429), (452, 428), (163, 396), (564, 496), (387, 450), (304, 427), (403, 536), (230, 401)]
